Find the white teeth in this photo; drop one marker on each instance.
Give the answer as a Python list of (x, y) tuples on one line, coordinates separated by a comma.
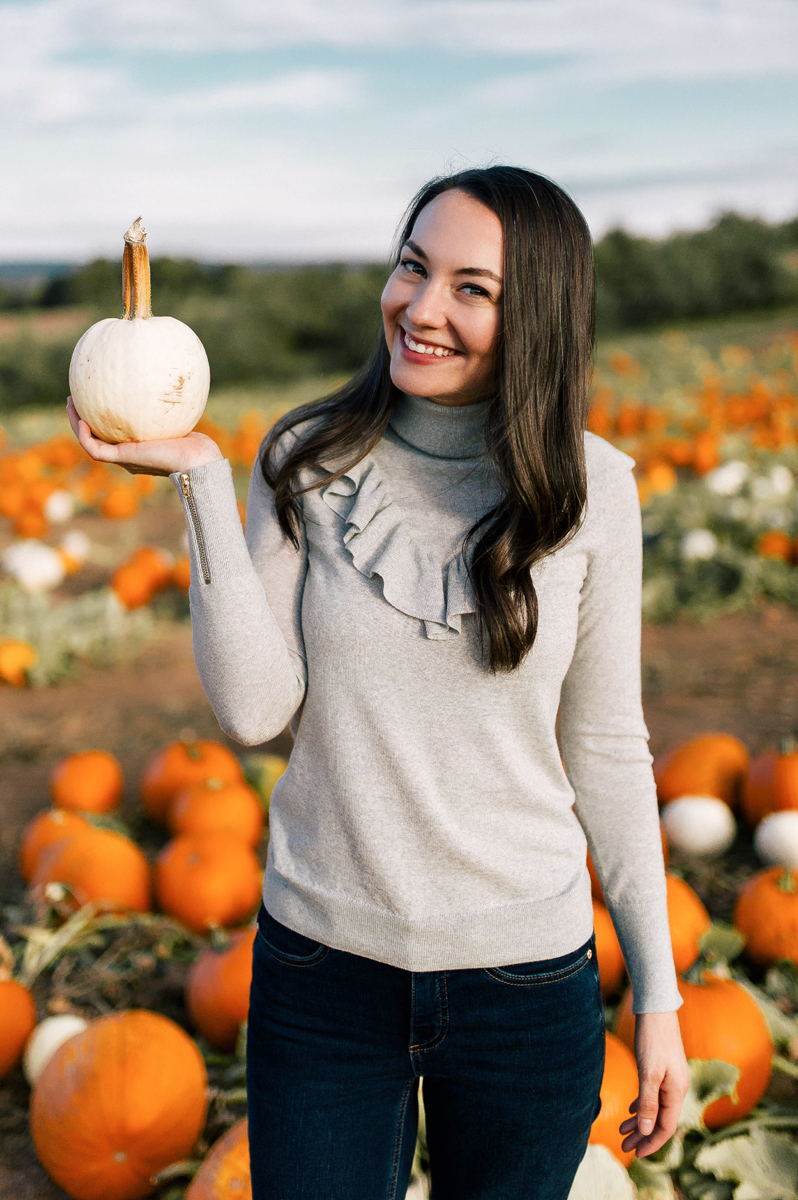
[(420, 348)]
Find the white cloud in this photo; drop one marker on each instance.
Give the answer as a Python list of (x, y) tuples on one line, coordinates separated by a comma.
[(300, 91)]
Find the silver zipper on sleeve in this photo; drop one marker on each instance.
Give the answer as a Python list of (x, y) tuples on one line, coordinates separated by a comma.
[(195, 521)]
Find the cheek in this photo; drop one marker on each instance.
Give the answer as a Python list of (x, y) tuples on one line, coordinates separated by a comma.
[(482, 338)]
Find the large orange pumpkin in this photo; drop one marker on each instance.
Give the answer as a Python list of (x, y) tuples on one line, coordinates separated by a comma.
[(117, 1103), (595, 886), (719, 1019), (608, 950), (225, 1173), (713, 764), (17, 1020), (181, 764), (618, 1089), (49, 827), (216, 807), (688, 920), (766, 913), (100, 866), (217, 990), (208, 879), (91, 781)]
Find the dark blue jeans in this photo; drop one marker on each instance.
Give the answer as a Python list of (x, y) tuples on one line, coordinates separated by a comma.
[(512, 1059)]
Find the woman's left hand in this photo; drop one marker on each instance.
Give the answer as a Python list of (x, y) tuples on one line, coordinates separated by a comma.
[(664, 1078)]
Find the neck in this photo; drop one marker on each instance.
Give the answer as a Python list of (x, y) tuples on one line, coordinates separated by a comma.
[(441, 430)]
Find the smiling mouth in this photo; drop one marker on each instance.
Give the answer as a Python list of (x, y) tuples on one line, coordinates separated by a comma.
[(426, 347)]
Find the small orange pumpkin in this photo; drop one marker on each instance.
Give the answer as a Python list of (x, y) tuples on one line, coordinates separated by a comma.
[(618, 1089), (181, 573), (178, 766), (217, 990), (758, 792), (766, 913), (117, 1103), (216, 807), (208, 879), (688, 920), (718, 1019), (43, 831), (17, 1020), (120, 502), (775, 543), (608, 951), (713, 764), (225, 1173), (16, 659), (98, 866), (91, 781)]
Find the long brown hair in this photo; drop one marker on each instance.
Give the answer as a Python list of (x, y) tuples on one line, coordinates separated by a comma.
[(535, 423)]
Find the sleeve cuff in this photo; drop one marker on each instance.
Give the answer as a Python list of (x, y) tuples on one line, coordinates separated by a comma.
[(217, 545)]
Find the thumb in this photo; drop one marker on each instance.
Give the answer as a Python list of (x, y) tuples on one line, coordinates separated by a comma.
[(647, 1105)]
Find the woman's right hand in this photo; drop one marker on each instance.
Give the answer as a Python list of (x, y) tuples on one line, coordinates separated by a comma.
[(146, 458)]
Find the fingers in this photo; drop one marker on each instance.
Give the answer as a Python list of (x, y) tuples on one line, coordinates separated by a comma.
[(646, 1131)]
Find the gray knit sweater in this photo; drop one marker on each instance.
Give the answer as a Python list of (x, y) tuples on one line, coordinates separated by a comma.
[(425, 819)]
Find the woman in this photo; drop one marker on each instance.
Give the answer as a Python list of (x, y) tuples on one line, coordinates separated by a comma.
[(438, 559)]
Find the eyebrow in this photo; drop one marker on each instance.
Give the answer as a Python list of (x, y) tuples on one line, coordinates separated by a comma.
[(481, 271)]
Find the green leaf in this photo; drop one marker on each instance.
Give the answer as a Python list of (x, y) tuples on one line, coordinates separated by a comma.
[(763, 1164), (698, 1186), (652, 1179), (709, 1080), (601, 1177), (721, 943)]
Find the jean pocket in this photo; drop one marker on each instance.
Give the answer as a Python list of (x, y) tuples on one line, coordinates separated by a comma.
[(550, 970), (287, 946)]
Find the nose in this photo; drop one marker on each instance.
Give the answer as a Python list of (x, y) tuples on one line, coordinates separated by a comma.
[(428, 308)]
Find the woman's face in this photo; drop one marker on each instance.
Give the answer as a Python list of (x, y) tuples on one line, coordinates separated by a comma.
[(441, 307)]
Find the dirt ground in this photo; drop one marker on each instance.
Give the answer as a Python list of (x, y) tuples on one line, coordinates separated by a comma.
[(737, 674)]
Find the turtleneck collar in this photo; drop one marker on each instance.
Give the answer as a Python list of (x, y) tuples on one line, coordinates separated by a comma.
[(442, 430)]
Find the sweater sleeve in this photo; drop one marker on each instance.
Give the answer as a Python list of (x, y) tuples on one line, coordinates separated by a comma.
[(605, 746), (245, 601)]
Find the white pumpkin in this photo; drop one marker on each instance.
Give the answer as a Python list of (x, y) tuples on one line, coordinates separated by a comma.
[(35, 566), (699, 825), (139, 377), (45, 1039), (601, 1177), (776, 840)]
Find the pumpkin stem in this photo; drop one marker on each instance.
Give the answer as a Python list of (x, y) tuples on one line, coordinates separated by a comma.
[(136, 273), (787, 882), (788, 744)]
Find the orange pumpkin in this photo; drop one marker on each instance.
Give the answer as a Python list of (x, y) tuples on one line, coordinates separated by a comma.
[(155, 563), (718, 1019), (181, 573), (16, 659), (758, 793), (713, 764), (117, 1103), (595, 886), (49, 827), (608, 950), (132, 586), (618, 1089), (217, 990), (766, 913), (98, 866), (688, 920), (225, 1173), (775, 544), (216, 807), (91, 781), (17, 1020), (208, 879), (120, 502), (181, 764), (771, 784)]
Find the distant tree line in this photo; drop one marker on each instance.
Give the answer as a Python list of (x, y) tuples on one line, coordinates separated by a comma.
[(282, 323)]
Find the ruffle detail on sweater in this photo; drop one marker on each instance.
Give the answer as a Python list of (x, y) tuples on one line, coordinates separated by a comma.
[(377, 537)]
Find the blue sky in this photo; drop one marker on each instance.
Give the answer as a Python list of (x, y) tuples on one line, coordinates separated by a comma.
[(253, 129)]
